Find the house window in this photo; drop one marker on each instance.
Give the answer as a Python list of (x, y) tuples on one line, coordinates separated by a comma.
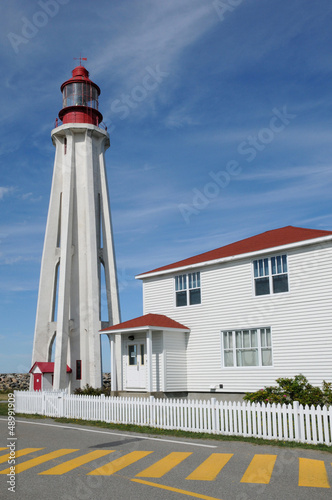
[(252, 347), (142, 354), (271, 275), (187, 289), (132, 354), (78, 369)]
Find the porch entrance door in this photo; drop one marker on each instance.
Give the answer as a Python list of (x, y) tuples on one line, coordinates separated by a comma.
[(136, 362)]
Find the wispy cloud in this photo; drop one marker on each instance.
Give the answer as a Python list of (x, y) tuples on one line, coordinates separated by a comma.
[(31, 198), (21, 244), (5, 191), (296, 189), (156, 34), (18, 286), (179, 118), (31, 229), (284, 173), (294, 136)]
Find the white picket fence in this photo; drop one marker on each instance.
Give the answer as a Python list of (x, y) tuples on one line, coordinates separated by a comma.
[(269, 421)]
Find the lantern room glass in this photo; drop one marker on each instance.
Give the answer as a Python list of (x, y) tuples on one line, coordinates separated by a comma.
[(80, 94)]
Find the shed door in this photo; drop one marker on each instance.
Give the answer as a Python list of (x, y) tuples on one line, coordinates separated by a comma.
[(136, 361), (37, 381)]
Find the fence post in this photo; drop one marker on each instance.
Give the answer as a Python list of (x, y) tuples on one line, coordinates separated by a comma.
[(103, 407), (297, 426), (60, 404), (213, 415), (43, 408), (152, 412), (16, 401)]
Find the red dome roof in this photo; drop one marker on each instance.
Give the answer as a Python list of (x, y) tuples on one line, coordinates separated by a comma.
[(80, 71), (79, 74)]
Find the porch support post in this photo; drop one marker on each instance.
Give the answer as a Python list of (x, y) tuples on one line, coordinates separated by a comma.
[(149, 356), (113, 362)]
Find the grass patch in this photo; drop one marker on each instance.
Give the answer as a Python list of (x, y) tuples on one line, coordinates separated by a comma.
[(4, 409), (152, 431)]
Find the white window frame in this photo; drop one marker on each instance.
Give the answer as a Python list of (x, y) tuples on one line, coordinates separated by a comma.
[(185, 283), (269, 274), (233, 349)]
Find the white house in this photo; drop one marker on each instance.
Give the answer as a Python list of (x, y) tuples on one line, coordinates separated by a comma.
[(231, 320)]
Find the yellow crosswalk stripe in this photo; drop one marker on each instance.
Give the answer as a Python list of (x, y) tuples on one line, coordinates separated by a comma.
[(75, 462), (312, 473), (175, 490), (211, 467), (164, 465), (19, 453), (39, 460), (119, 463), (260, 469)]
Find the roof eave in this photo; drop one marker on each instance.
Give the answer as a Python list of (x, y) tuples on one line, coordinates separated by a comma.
[(247, 255), (143, 329)]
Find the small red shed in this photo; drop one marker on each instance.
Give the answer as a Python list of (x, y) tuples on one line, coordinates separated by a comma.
[(42, 373)]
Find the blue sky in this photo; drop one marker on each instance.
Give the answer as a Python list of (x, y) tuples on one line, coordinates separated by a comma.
[(220, 120)]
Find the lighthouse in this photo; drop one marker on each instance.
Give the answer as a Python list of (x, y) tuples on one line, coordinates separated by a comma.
[(78, 260)]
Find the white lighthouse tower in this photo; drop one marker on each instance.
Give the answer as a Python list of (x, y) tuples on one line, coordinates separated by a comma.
[(78, 247)]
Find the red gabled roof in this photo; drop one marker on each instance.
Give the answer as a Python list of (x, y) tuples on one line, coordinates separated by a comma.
[(148, 320), (269, 239), (47, 367)]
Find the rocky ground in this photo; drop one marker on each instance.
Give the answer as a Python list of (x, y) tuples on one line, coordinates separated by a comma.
[(20, 381), (14, 381)]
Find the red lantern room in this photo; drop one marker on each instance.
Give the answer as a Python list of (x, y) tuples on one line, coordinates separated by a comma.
[(80, 99)]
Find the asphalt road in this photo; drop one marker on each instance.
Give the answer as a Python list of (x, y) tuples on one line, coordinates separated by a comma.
[(73, 462)]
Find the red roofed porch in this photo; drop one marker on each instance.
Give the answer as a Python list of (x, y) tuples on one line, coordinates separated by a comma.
[(145, 352)]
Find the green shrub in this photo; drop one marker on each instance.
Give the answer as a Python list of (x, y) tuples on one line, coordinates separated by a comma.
[(293, 389), (92, 391)]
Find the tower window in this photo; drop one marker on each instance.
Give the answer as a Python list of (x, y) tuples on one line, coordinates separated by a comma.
[(65, 145), (78, 369)]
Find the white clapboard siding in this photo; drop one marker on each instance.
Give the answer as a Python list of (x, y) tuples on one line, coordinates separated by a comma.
[(284, 422), (175, 361), (157, 361), (300, 320)]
